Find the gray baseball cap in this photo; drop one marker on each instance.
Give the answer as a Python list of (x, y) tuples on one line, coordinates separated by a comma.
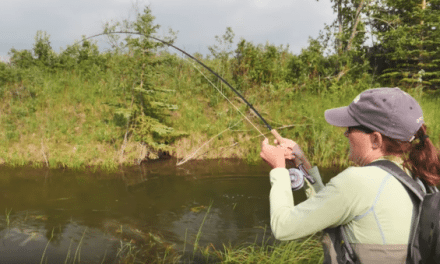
[(389, 111)]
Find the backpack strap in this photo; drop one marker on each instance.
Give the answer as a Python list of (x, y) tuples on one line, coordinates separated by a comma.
[(416, 194), (400, 175), (342, 248)]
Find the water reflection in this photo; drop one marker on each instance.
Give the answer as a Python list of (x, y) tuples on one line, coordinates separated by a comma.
[(27, 238), (156, 208)]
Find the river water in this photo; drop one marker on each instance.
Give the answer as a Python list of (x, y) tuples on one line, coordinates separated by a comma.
[(149, 212)]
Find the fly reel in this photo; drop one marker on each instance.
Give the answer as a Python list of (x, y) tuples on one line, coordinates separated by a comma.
[(296, 178)]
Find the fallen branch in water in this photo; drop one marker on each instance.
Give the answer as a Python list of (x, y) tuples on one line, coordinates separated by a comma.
[(195, 152)]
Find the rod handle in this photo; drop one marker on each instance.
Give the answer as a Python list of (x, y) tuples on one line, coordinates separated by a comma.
[(277, 136)]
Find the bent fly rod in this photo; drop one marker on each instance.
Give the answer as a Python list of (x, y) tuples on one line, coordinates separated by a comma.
[(272, 130)]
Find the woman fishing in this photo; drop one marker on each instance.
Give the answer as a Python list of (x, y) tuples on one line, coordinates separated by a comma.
[(371, 207)]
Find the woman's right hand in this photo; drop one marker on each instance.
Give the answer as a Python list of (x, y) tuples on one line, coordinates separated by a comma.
[(292, 151), (288, 145), (273, 155)]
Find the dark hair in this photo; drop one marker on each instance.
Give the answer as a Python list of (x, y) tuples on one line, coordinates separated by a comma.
[(420, 156)]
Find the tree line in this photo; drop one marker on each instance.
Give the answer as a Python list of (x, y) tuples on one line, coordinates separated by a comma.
[(402, 38)]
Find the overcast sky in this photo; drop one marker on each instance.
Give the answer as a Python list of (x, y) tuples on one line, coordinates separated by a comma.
[(287, 22)]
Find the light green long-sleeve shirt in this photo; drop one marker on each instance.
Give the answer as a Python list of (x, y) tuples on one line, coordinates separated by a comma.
[(372, 204)]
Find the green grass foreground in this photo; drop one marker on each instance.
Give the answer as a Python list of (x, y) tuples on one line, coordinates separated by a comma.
[(304, 251), (301, 251)]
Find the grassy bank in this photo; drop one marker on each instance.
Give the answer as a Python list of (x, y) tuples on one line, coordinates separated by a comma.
[(66, 119)]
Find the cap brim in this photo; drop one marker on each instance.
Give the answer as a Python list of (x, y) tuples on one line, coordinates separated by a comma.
[(340, 117)]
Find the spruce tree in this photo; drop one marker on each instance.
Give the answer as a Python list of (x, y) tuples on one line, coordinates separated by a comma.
[(408, 41)]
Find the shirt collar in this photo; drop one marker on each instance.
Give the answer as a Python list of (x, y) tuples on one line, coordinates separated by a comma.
[(398, 161)]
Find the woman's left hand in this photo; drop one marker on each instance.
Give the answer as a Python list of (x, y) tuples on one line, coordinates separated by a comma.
[(273, 155)]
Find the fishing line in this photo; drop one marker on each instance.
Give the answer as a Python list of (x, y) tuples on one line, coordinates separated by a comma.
[(236, 108), (229, 128), (273, 131)]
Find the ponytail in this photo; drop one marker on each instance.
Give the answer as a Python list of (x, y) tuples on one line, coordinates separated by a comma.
[(423, 159), (420, 156)]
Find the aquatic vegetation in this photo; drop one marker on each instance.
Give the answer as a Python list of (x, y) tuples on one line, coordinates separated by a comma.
[(140, 246), (197, 209), (199, 233), (7, 214), (25, 235), (44, 252)]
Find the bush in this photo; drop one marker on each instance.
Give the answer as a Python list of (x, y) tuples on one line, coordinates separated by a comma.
[(257, 65)]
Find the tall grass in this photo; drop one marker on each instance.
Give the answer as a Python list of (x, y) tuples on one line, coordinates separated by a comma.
[(308, 250), (60, 120)]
